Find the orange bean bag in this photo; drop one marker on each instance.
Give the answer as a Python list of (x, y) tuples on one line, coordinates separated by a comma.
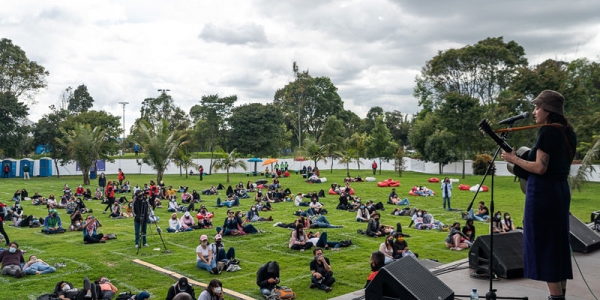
[(332, 192), (351, 191), (434, 180), (463, 187), (388, 182), (484, 188)]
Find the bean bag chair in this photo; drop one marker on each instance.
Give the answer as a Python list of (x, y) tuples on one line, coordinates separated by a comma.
[(412, 193), (395, 184), (388, 182), (370, 179), (463, 187), (332, 192), (351, 191), (433, 180), (260, 186), (454, 180), (383, 184), (482, 189), (323, 179)]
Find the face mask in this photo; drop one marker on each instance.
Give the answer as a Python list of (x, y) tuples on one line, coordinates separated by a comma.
[(498, 216), (400, 239), (204, 242), (240, 215), (12, 249), (66, 287), (217, 290), (77, 224), (254, 208), (419, 214), (508, 217), (362, 207)]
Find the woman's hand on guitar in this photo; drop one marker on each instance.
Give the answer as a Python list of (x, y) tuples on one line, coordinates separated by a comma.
[(510, 157)]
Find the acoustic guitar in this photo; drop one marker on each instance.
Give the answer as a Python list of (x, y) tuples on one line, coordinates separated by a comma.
[(522, 153)]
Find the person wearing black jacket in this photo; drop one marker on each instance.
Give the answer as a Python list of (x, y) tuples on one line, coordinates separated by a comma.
[(181, 286), (140, 207), (2, 210), (267, 277)]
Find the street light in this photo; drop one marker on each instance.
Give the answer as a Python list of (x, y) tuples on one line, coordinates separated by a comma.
[(123, 140)]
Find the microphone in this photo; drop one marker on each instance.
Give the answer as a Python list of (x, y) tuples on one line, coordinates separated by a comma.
[(515, 118)]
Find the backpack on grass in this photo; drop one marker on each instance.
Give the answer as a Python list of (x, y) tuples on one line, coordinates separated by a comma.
[(125, 296)]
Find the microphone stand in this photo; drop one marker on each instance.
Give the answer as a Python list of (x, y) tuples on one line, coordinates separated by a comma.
[(491, 294)]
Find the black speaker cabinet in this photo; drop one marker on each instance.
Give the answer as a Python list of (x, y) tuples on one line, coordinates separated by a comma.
[(583, 239), (407, 279), (508, 254)]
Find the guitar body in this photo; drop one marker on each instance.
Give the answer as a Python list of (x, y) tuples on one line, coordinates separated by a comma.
[(522, 153)]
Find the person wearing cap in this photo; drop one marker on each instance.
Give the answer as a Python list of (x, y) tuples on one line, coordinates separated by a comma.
[(187, 222), (143, 296), (204, 218), (267, 277), (204, 256), (52, 223), (180, 287), (546, 252), (219, 253)]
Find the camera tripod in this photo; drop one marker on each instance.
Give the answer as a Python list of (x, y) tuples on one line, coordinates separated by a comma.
[(145, 224)]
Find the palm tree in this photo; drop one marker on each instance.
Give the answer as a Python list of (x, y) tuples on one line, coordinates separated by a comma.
[(586, 168), (83, 145), (347, 158), (160, 144), (228, 161), (314, 151)]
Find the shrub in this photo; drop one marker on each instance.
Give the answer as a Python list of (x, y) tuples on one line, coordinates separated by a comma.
[(480, 163)]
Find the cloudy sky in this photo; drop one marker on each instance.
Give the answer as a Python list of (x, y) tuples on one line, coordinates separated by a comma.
[(372, 50)]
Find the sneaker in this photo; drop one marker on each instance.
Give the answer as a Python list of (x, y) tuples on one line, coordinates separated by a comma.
[(145, 245), (313, 285), (301, 250), (270, 218), (137, 246), (328, 289), (89, 294)]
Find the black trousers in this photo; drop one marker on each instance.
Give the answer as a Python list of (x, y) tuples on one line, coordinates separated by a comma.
[(3, 232)]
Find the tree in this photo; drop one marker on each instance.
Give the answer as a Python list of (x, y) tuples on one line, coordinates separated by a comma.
[(228, 161), (214, 111), (399, 126), (459, 114), (47, 132), (372, 114), (380, 143), (357, 141), (18, 75), (307, 103), (83, 144), (259, 129), (348, 156), (156, 109), (423, 127), (479, 71), (399, 160), (160, 144), (313, 150), (440, 149), (80, 100), (12, 116), (332, 138)]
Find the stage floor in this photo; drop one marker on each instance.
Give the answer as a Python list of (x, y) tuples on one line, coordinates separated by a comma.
[(461, 283)]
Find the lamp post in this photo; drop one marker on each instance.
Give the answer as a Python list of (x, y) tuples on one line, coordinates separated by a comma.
[(123, 140)]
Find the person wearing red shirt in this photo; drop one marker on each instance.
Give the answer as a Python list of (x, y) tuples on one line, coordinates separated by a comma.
[(121, 177), (110, 195)]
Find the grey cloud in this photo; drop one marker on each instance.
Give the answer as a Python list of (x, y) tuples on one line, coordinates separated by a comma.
[(234, 34)]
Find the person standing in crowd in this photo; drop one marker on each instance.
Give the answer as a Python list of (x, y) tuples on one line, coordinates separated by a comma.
[(102, 182), (26, 172), (136, 149), (2, 231), (374, 167), (121, 177), (546, 253), (201, 171), (110, 195), (447, 192)]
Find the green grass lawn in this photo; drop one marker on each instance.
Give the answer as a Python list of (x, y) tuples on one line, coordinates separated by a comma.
[(350, 265)]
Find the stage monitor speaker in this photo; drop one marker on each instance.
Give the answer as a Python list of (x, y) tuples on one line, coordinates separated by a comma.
[(407, 279), (583, 238), (508, 254)]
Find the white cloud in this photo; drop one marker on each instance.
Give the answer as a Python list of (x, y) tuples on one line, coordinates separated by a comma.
[(371, 50)]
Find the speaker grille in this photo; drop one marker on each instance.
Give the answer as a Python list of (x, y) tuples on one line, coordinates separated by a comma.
[(418, 281), (583, 239)]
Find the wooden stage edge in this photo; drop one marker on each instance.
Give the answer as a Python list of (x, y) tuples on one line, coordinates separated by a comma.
[(176, 275)]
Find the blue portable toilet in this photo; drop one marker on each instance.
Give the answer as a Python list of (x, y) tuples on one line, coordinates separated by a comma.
[(29, 162), (12, 168), (45, 167)]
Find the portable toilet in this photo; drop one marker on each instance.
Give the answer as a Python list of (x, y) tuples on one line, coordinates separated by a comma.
[(26, 162), (12, 168), (45, 167)]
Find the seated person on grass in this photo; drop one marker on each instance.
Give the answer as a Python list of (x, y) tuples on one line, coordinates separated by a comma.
[(173, 206), (456, 239), (76, 221), (267, 277), (187, 222), (52, 223), (298, 201), (232, 200), (377, 261), (90, 233), (253, 216), (483, 213), (204, 218), (11, 261)]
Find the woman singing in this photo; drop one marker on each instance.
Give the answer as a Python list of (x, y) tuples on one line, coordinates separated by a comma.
[(546, 252)]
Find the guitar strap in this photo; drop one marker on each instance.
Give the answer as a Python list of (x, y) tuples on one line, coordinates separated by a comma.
[(555, 125)]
